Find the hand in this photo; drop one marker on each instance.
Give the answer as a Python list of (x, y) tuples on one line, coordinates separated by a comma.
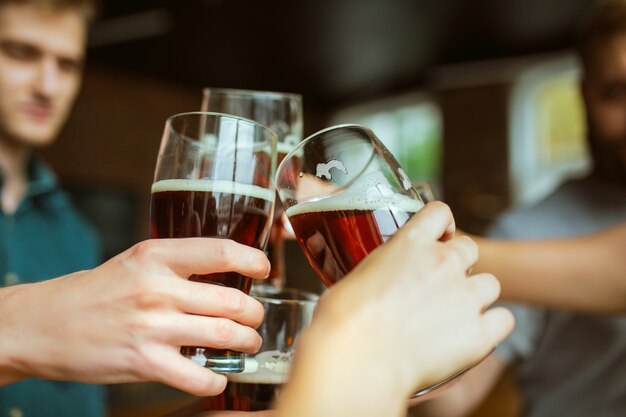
[(126, 320), (415, 294), (405, 318)]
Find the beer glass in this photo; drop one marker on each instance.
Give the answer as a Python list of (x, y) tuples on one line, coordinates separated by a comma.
[(344, 195), (287, 313), (282, 113), (214, 178)]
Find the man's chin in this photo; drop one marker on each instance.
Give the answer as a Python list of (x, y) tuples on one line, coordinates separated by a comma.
[(33, 138)]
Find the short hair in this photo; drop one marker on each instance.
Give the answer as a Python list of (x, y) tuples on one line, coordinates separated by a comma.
[(605, 19), (87, 8)]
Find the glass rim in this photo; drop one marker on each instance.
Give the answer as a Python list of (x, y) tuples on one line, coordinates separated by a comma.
[(304, 141), (216, 115), (169, 120), (271, 296), (253, 93)]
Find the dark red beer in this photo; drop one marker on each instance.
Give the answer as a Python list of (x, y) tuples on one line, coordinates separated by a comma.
[(198, 208), (218, 209), (335, 237), (247, 393)]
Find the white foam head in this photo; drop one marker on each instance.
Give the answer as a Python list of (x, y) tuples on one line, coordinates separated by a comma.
[(215, 186), (271, 367), (371, 192)]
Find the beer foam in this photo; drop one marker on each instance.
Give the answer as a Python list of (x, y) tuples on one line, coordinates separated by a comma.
[(369, 193), (215, 186), (270, 367)]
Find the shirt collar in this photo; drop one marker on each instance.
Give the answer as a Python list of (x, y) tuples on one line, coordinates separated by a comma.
[(41, 178)]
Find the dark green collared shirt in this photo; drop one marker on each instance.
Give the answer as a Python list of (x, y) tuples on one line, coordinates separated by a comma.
[(46, 238)]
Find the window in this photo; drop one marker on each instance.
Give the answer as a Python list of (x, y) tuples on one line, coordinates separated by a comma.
[(547, 122), (410, 127)]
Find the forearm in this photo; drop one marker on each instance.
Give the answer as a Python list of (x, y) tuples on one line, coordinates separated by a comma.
[(332, 377), (9, 331), (586, 273)]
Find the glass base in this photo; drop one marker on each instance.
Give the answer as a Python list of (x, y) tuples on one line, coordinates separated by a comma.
[(219, 361), (440, 384)]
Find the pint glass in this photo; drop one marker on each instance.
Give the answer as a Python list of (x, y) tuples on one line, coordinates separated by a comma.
[(214, 178), (287, 313), (344, 195), (282, 113)]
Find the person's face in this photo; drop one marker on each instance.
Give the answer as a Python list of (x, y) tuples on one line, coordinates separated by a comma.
[(41, 56), (604, 91)]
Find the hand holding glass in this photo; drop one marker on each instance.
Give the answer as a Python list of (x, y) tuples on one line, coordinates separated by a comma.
[(214, 178), (345, 195), (287, 313)]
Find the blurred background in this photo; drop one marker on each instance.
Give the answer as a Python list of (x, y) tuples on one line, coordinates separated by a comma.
[(480, 98)]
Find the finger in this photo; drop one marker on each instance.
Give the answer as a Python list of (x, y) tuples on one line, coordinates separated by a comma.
[(186, 375), (211, 332), (315, 244), (217, 301), (486, 287), (431, 223), (465, 248), (190, 256), (498, 322)]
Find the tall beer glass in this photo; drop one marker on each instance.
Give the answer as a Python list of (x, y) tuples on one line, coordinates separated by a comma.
[(214, 178), (282, 113), (287, 313), (344, 195)]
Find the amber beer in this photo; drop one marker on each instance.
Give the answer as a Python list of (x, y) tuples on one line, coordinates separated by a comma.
[(338, 232), (212, 208), (205, 208)]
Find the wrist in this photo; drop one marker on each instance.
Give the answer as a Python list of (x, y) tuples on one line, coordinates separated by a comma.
[(11, 361), (336, 373)]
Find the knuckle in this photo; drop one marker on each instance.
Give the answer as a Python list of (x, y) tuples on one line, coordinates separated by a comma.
[(254, 344), (440, 205), (445, 258), (492, 283), (223, 332), (139, 327), (232, 301), (258, 314), (486, 284), (149, 300), (469, 243), (412, 235), (227, 253), (454, 259), (145, 251)]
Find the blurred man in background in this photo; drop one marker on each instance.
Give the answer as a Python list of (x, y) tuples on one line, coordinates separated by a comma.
[(42, 47), (566, 363)]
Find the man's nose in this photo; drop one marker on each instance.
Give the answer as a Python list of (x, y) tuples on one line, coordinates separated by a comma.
[(49, 77)]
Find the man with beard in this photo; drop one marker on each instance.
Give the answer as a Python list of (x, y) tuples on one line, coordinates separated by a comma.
[(569, 364)]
